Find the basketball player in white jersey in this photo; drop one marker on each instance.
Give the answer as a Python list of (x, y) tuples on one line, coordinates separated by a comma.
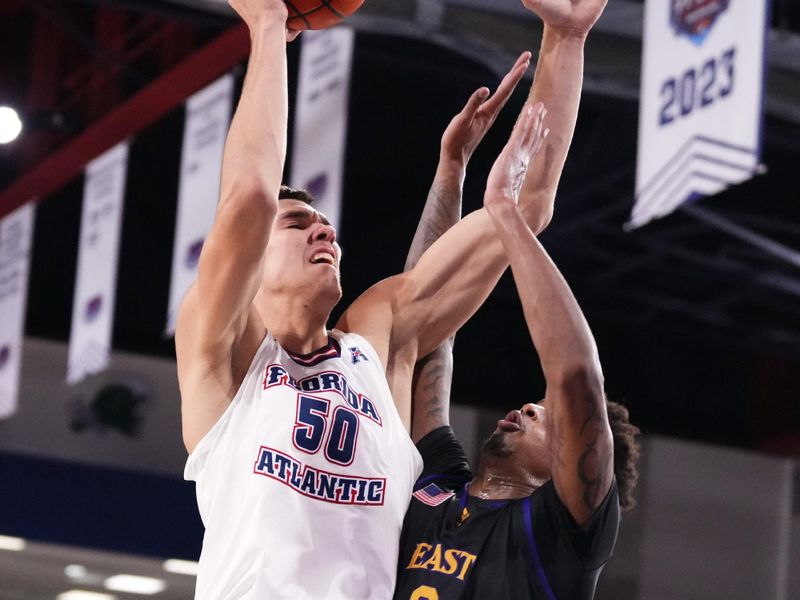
[(302, 462)]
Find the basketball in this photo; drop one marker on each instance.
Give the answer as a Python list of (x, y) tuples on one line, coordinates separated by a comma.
[(319, 14)]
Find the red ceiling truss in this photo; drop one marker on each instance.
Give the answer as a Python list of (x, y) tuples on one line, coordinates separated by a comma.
[(93, 76)]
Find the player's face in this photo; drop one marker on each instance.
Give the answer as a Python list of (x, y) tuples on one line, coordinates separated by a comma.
[(521, 436), (302, 252)]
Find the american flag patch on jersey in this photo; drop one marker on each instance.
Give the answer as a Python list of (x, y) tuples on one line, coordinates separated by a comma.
[(432, 495)]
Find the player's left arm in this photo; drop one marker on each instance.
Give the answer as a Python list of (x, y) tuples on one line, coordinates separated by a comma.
[(578, 432), (433, 373)]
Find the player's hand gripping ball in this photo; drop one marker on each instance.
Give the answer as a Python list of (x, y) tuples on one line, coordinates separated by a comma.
[(318, 14)]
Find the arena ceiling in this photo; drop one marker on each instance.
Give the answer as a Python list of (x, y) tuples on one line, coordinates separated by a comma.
[(696, 315)]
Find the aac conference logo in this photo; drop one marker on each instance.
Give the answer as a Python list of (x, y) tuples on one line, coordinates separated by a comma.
[(695, 18)]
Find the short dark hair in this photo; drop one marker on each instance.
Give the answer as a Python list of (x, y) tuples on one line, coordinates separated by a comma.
[(288, 193), (626, 453)]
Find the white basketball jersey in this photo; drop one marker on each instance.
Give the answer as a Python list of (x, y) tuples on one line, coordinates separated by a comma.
[(303, 482)]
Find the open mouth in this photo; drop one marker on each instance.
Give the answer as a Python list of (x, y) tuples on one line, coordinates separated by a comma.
[(323, 257), (511, 422)]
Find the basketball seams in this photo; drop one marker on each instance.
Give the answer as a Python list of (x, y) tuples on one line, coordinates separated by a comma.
[(297, 15), (308, 16)]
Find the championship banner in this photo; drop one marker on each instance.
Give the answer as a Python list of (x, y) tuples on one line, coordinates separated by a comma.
[(208, 113), (318, 147), (16, 233), (98, 254), (701, 101)]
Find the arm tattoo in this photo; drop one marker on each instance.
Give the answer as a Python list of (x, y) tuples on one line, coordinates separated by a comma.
[(433, 374), (432, 379), (442, 211), (593, 462)]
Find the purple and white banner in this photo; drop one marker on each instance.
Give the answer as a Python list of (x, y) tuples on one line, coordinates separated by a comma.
[(320, 129), (701, 101), (98, 257), (16, 234), (208, 113)]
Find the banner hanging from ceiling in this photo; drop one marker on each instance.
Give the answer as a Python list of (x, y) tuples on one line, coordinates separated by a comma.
[(318, 149), (16, 234), (208, 114), (701, 101), (98, 257)]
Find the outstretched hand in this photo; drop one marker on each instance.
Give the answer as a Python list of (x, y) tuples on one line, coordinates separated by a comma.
[(574, 16), (509, 170), (254, 11), (468, 127)]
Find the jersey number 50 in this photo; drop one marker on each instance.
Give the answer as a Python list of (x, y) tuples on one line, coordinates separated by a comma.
[(314, 426)]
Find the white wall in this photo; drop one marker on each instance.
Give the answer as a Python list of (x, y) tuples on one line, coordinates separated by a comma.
[(717, 524), (41, 425)]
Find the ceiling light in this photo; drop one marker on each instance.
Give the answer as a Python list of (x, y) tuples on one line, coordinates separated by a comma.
[(12, 543), (84, 595), (10, 124), (134, 584), (181, 567)]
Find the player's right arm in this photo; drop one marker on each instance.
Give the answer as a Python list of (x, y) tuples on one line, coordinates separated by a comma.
[(581, 447), (217, 327)]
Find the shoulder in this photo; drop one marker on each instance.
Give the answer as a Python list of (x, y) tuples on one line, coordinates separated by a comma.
[(375, 308), (444, 460)]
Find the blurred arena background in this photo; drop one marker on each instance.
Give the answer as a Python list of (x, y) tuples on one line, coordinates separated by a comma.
[(696, 315)]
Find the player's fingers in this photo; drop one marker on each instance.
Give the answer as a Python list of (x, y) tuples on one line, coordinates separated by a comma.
[(508, 84), (540, 141), (474, 103), (523, 126), (534, 132)]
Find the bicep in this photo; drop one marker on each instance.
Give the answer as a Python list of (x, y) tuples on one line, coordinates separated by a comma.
[(581, 447)]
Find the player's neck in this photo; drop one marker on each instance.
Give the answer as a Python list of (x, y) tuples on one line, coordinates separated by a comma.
[(297, 324), (495, 483)]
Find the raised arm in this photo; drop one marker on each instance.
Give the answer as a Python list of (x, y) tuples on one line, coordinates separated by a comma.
[(578, 431), (217, 326), (557, 84), (433, 373)]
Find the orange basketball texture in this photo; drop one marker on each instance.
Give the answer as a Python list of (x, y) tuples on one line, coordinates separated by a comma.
[(318, 14)]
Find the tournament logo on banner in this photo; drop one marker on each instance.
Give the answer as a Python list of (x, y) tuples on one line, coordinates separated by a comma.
[(208, 114), (16, 234), (701, 101), (694, 18), (98, 254), (321, 117)]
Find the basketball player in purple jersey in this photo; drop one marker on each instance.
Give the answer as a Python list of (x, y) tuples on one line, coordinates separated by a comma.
[(540, 518)]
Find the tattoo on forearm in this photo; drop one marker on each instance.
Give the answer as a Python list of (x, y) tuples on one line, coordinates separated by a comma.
[(432, 386), (593, 462), (442, 211), (557, 440)]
